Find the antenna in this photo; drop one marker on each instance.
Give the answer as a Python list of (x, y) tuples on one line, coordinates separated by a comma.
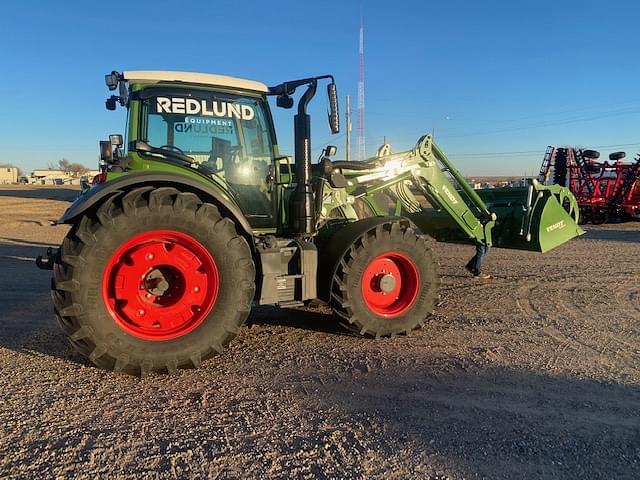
[(348, 129), (361, 148)]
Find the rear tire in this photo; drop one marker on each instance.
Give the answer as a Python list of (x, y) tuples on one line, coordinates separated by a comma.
[(91, 303), (386, 283)]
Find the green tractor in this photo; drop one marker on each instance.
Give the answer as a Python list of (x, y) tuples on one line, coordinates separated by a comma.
[(197, 217)]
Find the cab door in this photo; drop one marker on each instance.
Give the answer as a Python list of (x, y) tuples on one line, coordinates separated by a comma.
[(249, 171)]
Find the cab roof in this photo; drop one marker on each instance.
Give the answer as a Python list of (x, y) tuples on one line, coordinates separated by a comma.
[(158, 76)]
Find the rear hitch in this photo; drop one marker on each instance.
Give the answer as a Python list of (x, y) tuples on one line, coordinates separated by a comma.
[(45, 262)]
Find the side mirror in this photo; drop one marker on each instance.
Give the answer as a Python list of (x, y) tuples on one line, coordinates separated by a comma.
[(330, 150), (284, 101), (124, 94), (334, 116), (115, 140), (106, 151)]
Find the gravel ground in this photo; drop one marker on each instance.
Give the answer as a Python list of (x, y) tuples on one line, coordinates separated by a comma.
[(532, 374)]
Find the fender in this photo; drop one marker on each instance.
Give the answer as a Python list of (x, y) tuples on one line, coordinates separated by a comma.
[(338, 244), (97, 194)]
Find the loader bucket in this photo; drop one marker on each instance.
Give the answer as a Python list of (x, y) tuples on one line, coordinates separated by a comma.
[(537, 218)]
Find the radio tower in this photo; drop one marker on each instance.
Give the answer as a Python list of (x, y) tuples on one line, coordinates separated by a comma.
[(361, 149)]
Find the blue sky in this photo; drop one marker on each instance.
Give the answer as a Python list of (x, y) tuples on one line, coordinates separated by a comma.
[(497, 81)]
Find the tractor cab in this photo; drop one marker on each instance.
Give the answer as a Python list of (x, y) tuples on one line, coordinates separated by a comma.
[(218, 126), (221, 128)]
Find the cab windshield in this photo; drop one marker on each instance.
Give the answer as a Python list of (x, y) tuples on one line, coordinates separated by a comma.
[(226, 135)]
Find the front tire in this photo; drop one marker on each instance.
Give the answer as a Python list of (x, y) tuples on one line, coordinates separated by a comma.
[(156, 280), (386, 283)]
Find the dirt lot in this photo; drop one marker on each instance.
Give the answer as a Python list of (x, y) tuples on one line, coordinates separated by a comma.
[(533, 374)]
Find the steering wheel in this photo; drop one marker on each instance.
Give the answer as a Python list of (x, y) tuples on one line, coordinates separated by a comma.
[(174, 148)]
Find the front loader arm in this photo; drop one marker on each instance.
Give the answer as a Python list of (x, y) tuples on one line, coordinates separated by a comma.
[(471, 215), (536, 218), (421, 171)]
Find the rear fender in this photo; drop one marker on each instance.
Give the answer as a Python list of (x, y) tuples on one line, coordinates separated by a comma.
[(98, 194)]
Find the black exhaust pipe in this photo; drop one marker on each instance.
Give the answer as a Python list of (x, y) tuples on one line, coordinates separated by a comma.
[(302, 212)]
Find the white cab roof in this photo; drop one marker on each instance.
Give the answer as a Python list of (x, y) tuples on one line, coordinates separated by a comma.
[(157, 76)]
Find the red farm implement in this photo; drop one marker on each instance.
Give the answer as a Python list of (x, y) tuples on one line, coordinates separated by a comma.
[(603, 189)]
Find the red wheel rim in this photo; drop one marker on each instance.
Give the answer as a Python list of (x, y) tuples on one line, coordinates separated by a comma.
[(390, 284), (160, 285)]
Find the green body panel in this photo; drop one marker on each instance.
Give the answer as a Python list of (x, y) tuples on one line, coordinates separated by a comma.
[(138, 162)]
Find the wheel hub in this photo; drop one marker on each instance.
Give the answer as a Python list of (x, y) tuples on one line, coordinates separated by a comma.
[(387, 283), (390, 284), (160, 285), (156, 282)]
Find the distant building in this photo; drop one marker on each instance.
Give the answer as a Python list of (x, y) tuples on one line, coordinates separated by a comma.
[(49, 176), (519, 183), (8, 175)]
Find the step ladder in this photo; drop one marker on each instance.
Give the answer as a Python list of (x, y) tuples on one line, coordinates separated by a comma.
[(578, 160), (547, 163)]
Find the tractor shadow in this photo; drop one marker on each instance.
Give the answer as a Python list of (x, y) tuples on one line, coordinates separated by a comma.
[(27, 323), (490, 422), (315, 319), (64, 194), (611, 235), (17, 243)]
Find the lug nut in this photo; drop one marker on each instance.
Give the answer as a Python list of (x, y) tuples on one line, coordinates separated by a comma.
[(149, 256), (196, 289), (140, 312)]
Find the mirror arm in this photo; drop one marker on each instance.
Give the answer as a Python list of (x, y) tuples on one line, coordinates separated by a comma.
[(289, 88)]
